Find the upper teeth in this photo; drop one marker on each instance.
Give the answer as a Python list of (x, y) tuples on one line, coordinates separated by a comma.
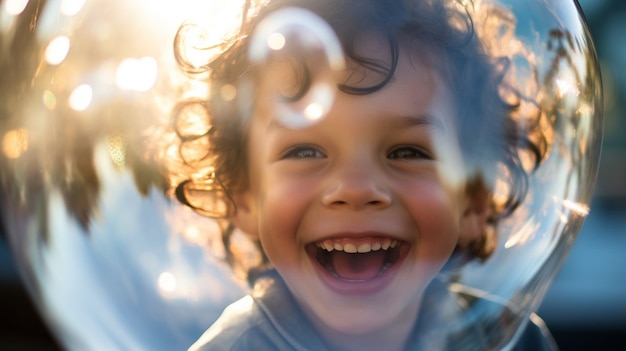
[(330, 245)]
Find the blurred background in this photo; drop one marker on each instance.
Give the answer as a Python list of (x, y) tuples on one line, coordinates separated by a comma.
[(586, 305)]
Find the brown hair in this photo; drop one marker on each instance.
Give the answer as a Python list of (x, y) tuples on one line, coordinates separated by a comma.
[(212, 133)]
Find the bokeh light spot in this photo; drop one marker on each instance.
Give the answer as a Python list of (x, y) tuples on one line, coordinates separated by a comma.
[(81, 97), (15, 7), (49, 100), (137, 74), (314, 111), (71, 7), (117, 150), (57, 50), (167, 282), (228, 92), (276, 41), (15, 143)]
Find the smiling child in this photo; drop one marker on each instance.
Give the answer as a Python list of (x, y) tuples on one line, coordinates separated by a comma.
[(358, 212)]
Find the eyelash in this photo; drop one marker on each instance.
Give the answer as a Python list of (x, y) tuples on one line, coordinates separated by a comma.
[(399, 153), (302, 152), (409, 152)]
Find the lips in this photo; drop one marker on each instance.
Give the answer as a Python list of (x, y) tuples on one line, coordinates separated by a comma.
[(357, 260)]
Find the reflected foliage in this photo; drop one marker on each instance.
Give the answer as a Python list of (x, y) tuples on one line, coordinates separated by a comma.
[(61, 142)]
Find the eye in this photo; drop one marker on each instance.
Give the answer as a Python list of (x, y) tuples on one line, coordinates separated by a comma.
[(409, 153), (303, 151)]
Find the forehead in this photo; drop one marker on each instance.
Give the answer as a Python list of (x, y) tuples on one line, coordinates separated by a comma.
[(408, 72)]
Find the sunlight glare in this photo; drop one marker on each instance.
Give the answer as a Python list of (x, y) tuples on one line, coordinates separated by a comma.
[(137, 74)]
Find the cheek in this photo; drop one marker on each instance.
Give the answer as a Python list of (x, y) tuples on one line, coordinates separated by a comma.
[(436, 212), (282, 207)]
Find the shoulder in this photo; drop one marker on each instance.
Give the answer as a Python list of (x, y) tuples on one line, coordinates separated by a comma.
[(267, 319), (242, 326), (535, 337)]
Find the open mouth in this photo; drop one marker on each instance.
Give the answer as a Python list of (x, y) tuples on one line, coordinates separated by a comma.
[(357, 260)]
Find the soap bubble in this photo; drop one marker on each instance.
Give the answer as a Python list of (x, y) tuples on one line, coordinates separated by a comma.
[(293, 45), (97, 110)]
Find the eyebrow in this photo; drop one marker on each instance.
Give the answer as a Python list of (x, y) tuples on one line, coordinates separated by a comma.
[(420, 120), (275, 125), (400, 122)]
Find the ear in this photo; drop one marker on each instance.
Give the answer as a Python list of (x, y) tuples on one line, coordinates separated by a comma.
[(245, 217), (475, 216)]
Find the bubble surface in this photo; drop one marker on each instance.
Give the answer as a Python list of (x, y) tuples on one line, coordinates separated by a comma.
[(113, 261), (300, 58)]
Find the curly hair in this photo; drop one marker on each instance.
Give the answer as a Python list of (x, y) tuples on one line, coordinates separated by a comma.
[(212, 131)]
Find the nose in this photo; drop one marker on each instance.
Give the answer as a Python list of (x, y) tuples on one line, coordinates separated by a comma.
[(356, 187)]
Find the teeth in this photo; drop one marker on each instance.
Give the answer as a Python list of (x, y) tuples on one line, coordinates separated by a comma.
[(349, 248), (386, 244), (364, 248), (330, 246)]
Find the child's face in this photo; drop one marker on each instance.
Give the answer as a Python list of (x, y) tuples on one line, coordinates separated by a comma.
[(380, 174)]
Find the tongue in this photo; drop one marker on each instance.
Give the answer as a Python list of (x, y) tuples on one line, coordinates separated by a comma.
[(358, 266)]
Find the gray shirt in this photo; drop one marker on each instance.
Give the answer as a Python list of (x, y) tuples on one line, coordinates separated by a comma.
[(270, 319)]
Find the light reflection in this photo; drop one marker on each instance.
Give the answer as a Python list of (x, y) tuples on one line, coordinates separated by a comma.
[(137, 74), (276, 41), (117, 150), (49, 100), (585, 109), (228, 92), (81, 97), (314, 111), (15, 143), (526, 233), (72, 7), (580, 208), (57, 50), (211, 26), (15, 7), (167, 282), (566, 87)]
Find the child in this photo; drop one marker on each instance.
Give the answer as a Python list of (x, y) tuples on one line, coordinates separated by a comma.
[(357, 213)]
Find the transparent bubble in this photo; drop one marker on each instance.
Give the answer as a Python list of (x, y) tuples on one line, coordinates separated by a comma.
[(121, 134), (299, 57)]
